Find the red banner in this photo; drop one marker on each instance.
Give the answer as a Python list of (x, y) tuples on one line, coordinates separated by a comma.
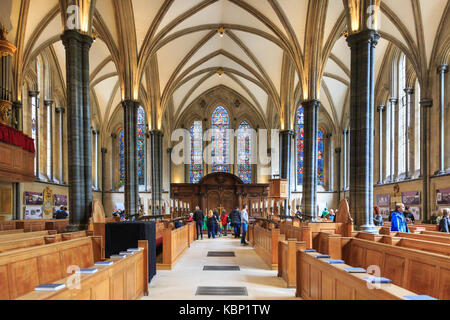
[(17, 138)]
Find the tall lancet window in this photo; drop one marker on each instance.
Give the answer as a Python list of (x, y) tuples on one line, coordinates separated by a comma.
[(34, 129), (121, 145), (300, 121), (244, 152), (220, 125), (402, 124), (196, 152), (141, 146)]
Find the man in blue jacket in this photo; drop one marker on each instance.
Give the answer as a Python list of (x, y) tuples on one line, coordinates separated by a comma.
[(398, 220)]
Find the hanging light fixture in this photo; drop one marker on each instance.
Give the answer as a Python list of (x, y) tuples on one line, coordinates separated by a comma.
[(220, 72), (221, 31)]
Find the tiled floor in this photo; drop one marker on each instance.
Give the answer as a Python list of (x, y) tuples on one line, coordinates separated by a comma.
[(182, 281)]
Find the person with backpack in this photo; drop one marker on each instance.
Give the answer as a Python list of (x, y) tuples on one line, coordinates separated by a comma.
[(198, 218), (210, 223), (224, 219), (235, 219)]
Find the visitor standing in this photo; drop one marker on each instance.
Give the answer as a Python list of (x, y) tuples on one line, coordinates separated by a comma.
[(244, 224), (198, 218), (235, 218)]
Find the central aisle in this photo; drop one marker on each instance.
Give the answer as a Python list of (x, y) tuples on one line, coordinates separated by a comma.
[(182, 281)]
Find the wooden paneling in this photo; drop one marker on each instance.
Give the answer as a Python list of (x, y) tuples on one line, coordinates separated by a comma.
[(265, 243), (175, 243), (287, 255), (16, 164)]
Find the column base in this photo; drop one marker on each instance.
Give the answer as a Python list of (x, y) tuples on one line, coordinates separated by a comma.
[(368, 229), (76, 227)]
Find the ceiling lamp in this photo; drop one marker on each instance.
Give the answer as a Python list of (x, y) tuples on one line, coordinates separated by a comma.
[(94, 36), (220, 72), (221, 31), (6, 47)]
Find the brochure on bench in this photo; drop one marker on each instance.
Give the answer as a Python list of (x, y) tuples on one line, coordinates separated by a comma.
[(355, 270), (87, 271), (135, 250), (104, 263), (127, 253), (118, 256), (50, 287)]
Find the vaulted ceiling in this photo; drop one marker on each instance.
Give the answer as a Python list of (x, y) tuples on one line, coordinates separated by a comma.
[(172, 48)]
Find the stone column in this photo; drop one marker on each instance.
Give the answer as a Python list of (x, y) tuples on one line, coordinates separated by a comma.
[(380, 109), (34, 95), (146, 136), (156, 141), (442, 70), (426, 105), (393, 125), (345, 158), (169, 155), (104, 152), (311, 114), (362, 103), (49, 106), (330, 163), (286, 139), (96, 159), (338, 157), (79, 128), (60, 112), (409, 92), (113, 161), (130, 109)]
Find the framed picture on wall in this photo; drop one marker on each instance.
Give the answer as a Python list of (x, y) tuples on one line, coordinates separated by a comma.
[(60, 200), (416, 212), (33, 198), (33, 212), (410, 198), (443, 196), (383, 200)]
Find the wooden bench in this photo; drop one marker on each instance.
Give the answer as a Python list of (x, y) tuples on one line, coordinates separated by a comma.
[(31, 225), (11, 231), (58, 225), (319, 280), (126, 279), (406, 242), (287, 260), (26, 235), (265, 243), (418, 271), (436, 233), (7, 225), (417, 227), (42, 240), (175, 243)]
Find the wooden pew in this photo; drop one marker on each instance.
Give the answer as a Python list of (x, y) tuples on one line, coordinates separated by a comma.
[(42, 240), (175, 243), (417, 227), (418, 271), (406, 242), (58, 225), (26, 235), (31, 225), (265, 243), (11, 231), (436, 233), (287, 260), (319, 280), (126, 279), (8, 225)]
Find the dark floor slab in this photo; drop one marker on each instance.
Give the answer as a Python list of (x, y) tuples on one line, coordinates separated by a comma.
[(221, 268), (221, 291), (221, 254)]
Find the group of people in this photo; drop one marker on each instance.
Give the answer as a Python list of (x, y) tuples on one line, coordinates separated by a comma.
[(402, 216), (61, 213), (329, 215), (217, 224)]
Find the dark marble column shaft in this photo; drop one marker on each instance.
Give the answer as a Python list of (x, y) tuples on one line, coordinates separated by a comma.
[(60, 112), (330, 163), (49, 105), (311, 114), (286, 142), (380, 109), (17, 107), (409, 92), (104, 152), (79, 125), (393, 103), (426, 105), (130, 109), (156, 141), (34, 95), (338, 158), (345, 159), (362, 111), (442, 70), (113, 161)]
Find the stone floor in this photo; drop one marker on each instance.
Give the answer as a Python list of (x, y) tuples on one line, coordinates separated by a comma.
[(182, 281)]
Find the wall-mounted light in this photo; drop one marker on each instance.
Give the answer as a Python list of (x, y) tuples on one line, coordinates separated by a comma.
[(221, 31)]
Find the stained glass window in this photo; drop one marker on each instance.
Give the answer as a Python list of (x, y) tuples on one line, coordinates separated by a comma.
[(141, 146), (34, 129), (220, 124), (196, 152), (121, 158), (244, 166), (300, 150)]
